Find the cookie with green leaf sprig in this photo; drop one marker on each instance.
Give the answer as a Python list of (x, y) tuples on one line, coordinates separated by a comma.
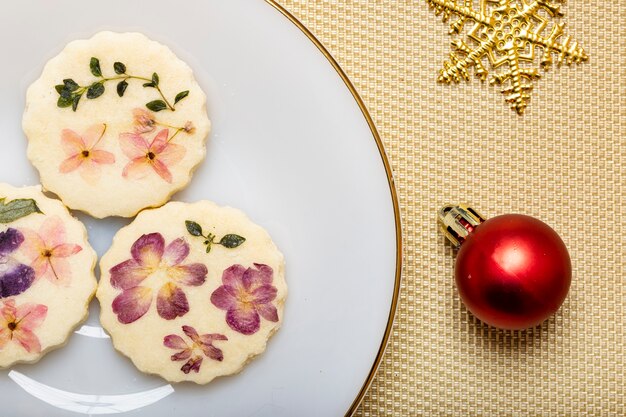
[(115, 124), (46, 274), (191, 292)]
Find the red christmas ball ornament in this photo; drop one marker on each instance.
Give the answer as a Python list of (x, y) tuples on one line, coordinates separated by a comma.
[(512, 271)]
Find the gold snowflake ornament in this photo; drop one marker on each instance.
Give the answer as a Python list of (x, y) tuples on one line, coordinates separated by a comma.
[(508, 32)]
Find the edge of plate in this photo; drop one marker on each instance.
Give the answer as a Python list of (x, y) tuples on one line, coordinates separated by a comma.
[(394, 197)]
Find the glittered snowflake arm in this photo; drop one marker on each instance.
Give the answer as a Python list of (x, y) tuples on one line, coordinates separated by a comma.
[(456, 67), (464, 11), (518, 93), (568, 51), (507, 33)]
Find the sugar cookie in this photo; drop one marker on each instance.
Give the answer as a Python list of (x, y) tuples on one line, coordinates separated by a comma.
[(191, 291), (46, 274), (115, 123)]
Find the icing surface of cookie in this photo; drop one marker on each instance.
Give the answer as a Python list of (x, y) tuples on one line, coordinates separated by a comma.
[(46, 274), (192, 291), (115, 123)]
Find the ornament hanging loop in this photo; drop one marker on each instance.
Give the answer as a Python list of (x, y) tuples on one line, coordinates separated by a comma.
[(458, 221)]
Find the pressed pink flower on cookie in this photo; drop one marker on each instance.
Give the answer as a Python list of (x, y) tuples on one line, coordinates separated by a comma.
[(82, 154), (150, 157), (48, 251), (246, 295), (144, 120), (200, 344), (18, 322), (150, 257)]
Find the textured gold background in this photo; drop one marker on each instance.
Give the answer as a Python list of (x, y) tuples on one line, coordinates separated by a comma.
[(563, 162)]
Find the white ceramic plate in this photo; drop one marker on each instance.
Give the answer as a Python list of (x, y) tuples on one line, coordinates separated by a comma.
[(292, 147)]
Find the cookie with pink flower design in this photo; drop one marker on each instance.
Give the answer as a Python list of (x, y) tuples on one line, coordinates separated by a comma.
[(115, 124), (192, 291), (46, 274)]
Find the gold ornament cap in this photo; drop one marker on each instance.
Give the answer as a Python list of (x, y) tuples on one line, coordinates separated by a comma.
[(458, 221)]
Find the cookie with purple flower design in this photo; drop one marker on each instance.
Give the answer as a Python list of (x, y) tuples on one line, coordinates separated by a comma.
[(192, 291), (115, 123), (46, 274)]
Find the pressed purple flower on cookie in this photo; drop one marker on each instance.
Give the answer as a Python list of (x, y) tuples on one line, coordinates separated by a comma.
[(15, 277), (200, 344), (150, 257), (247, 295), (18, 322)]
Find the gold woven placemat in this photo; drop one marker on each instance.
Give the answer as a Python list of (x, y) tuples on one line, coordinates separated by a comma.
[(563, 162)]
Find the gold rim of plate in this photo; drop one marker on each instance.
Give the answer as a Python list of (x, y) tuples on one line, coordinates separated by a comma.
[(392, 189)]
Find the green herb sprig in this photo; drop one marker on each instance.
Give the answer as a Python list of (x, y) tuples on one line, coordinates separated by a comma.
[(229, 241), (16, 209), (70, 92)]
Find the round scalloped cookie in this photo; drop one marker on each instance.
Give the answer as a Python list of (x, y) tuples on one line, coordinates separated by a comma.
[(115, 123), (191, 291), (46, 274)]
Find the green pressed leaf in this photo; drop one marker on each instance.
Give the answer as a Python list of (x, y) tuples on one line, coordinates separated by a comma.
[(232, 241), (70, 85), (75, 101), (208, 249), (95, 90), (156, 105), (155, 79), (59, 88), (16, 209), (65, 93), (151, 85), (121, 88), (64, 101), (193, 228), (94, 66), (119, 68), (181, 96)]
